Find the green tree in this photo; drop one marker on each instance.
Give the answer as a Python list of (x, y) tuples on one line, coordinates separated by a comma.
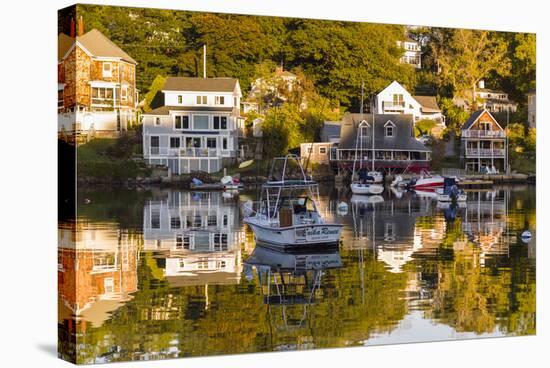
[(282, 130), (469, 57)]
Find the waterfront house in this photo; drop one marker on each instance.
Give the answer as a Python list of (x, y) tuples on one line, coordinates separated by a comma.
[(484, 143), (412, 52), (532, 109), (96, 86), (197, 127), (494, 101), (395, 148), (395, 99)]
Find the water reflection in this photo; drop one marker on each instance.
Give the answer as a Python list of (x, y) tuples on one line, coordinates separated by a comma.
[(169, 273), (196, 235)]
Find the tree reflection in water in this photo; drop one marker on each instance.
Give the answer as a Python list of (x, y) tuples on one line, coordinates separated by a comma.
[(164, 273)]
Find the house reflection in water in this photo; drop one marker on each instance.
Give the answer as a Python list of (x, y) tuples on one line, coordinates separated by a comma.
[(97, 270), (484, 222), (196, 235), (388, 228)]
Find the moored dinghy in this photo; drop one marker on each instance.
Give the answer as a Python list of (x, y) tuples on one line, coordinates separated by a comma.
[(288, 214)]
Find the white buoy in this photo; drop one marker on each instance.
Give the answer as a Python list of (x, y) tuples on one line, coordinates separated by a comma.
[(342, 208), (526, 236)]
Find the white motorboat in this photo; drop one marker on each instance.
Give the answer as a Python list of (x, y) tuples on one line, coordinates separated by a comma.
[(429, 182), (365, 188), (287, 213)]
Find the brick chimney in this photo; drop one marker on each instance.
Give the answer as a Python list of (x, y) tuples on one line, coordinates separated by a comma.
[(72, 31), (80, 26)]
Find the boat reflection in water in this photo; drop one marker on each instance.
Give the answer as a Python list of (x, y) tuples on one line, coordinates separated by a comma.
[(194, 235), (291, 279)]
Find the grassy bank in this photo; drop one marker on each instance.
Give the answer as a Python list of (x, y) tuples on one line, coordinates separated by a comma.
[(98, 159)]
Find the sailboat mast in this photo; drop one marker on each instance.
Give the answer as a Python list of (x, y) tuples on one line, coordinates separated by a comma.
[(373, 119)]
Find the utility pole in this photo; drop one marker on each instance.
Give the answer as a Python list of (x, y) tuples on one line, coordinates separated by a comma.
[(204, 61)]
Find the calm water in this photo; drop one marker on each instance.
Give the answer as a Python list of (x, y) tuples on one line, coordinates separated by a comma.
[(165, 273)]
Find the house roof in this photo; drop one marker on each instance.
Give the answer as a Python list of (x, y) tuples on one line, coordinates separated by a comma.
[(64, 43), (427, 103), (488, 90), (475, 117), (94, 42), (403, 139), (165, 110), (200, 84), (331, 129)]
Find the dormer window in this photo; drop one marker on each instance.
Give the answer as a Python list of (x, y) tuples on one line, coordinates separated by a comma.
[(107, 70), (201, 100), (157, 121), (389, 129), (220, 100)]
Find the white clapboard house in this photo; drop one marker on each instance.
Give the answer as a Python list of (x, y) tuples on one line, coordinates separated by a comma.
[(198, 126), (395, 99)]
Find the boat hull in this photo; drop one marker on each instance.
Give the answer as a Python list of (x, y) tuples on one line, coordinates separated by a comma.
[(366, 189), (305, 235)]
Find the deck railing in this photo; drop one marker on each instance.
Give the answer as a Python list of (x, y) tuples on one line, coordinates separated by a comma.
[(483, 134), (485, 152)]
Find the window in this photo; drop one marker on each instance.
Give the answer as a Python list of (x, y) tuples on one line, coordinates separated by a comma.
[(200, 122), (180, 99), (154, 145), (181, 122), (201, 100), (60, 98), (322, 150), (192, 142), (124, 93), (183, 242), (212, 220), (102, 96), (364, 131), (398, 100), (389, 129), (157, 121), (224, 143), (220, 100), (155, 220), (107, 70), (235, 101), (224, 220), (174, 142), (109, 285), (175, 223), (211, 142), (220, 122), (309, 150)]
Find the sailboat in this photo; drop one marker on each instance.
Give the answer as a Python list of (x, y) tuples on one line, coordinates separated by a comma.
[(365, 184)]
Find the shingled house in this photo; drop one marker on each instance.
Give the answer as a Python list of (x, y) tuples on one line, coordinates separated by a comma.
[(395, 148), (484, 143), (96, 86), (198, 126)]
